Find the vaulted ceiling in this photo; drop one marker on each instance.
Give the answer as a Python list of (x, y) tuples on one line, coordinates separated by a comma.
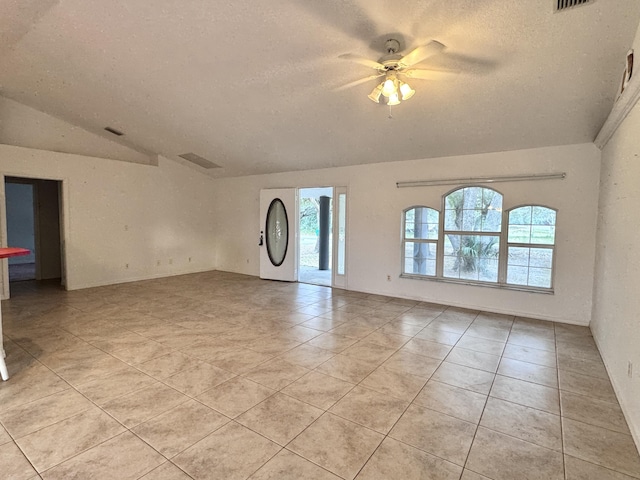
[(251, 85)]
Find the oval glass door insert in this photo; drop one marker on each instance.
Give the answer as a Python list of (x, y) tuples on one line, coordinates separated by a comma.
[(277, 232)]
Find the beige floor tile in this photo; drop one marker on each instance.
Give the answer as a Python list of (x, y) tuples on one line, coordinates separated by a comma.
[(593, 411), (438, 335), (137, 407), (29, 385), (58, 442), (332, 342), (166, 471), (115, 385), (498, 334), (585, 385), (198, 379), (323, 324), (14, 464), (338, 445), (501, 457), (134, 459), (532, 340), (386, 339), (398, 327), (528, 424), (394, 459), (168, 365), (469, 475), (441, 435), (180, 427), (318, 389), (527, 394), (580, 470), (420, 346), (141, 353), (483, 345), (394, 383), (473, 359), (239, 452), (276, 373), (585, 366), (457, 402), (464, 377), (280, 418), (412, 364), (369, 352), (450, 324), (345, 368), (289, 466), (4, 436), (307, 356), (28, 418), (371, 409), (529, 372), (235, 396), (239, 360), (530, 355), (609, 449)]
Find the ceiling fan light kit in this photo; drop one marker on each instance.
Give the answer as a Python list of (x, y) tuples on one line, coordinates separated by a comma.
[(393, 64)]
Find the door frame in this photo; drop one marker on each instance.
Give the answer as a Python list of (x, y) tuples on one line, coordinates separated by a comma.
[(63, 202)]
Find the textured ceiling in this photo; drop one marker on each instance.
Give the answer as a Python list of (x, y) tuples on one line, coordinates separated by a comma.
[(250, 85)]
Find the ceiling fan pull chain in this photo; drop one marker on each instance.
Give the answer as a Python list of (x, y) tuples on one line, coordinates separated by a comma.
[(390, 114)]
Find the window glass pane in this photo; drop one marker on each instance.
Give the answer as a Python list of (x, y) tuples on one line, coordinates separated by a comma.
[(492, 221), (518, 256), (517, 275), (543, 234), (420, 258), (472, 257), (450, 219), (451, 267), (541, 257), (540, 277), (519, 233), (421, 222), (520, 216), (543, 216), (473, 209)]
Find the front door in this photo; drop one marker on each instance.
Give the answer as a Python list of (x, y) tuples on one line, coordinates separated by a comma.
[(278, 234)]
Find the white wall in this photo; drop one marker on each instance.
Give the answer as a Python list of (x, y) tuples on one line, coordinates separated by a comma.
[(616, 311), (24, 126), (374, 222), (118, 213)]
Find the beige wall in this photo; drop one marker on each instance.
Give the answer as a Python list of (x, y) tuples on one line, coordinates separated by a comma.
[(374, 223), (616, 310), (117, 213)]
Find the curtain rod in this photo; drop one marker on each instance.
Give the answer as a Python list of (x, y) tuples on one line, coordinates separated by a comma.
[(467, 181)]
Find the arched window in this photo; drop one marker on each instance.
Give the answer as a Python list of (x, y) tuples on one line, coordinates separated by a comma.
[(530, 246), (420, 241), (472, 225)]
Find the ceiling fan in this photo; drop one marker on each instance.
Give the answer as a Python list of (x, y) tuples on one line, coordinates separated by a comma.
[(392, 65)]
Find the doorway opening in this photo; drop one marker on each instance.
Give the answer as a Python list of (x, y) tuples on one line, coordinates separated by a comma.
[(315, 239), (33, 222)]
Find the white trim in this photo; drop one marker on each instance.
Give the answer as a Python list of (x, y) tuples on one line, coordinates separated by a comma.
[(480, 180), (619, 112)]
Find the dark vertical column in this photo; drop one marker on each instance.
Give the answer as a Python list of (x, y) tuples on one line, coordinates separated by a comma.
[(325, 227)]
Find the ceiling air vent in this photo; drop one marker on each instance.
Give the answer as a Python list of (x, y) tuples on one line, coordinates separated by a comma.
[(198, 160), (566, 4), (114, 131)]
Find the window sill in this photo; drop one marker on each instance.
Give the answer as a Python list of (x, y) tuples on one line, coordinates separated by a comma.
[(502, 286)]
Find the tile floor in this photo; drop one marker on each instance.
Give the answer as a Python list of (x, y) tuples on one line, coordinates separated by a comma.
[(223, 376)]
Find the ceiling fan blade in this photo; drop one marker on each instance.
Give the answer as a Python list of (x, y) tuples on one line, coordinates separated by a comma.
[(425, 74), (358, 82), (419, 54), (362, 61)]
